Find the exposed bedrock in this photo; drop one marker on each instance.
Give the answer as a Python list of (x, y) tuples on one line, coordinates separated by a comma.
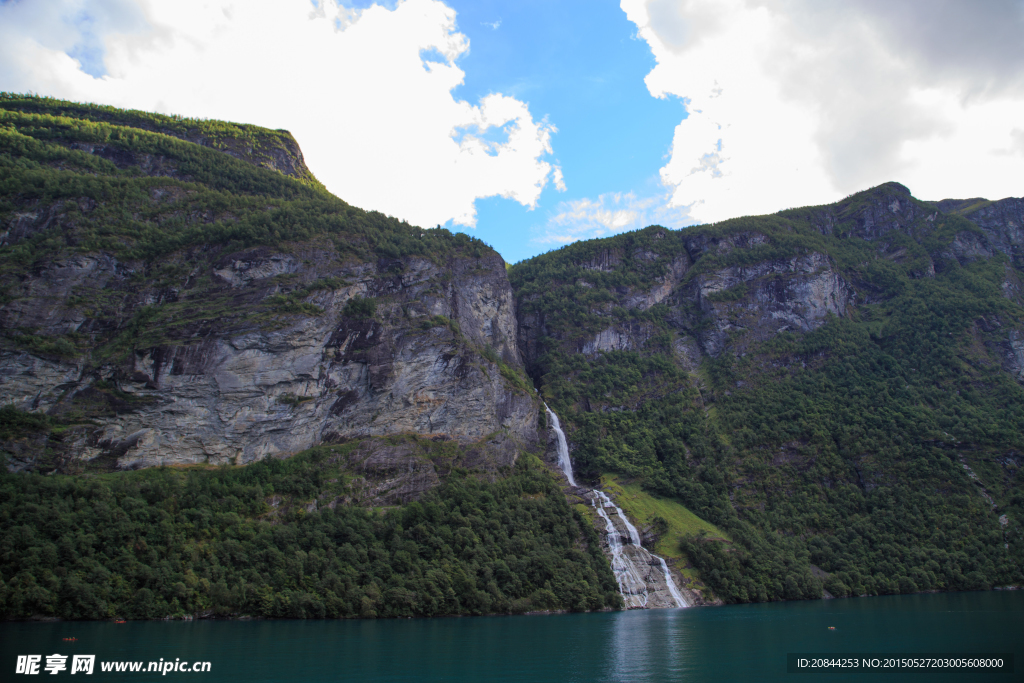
[(739, 303), (216, 393)]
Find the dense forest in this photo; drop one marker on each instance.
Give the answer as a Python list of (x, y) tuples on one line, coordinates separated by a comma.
[(222, 541)]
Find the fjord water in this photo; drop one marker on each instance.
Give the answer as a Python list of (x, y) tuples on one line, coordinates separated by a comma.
[(736, 643)]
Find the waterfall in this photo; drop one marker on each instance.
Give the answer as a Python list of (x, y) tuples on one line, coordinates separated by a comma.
[(563, 447), (629, 560)]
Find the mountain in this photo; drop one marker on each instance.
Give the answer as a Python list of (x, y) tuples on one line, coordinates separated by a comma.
[(179, 292), (226, 391), (838, 387)]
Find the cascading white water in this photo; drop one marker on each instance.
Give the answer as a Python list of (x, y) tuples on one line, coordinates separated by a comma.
[(633, 582), (634, 535), (563, 447), (676, 595)]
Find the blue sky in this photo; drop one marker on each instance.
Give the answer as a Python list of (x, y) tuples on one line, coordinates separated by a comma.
[(533, 124), (580, 65)]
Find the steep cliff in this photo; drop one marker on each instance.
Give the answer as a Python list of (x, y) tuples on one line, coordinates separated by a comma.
[(271, 149), (171, 302)]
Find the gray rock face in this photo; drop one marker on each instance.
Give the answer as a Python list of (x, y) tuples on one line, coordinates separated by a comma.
[(796, 294), (892, 209), (1003, 223), (700, 244), (238, 393), (875, 213), (968, 246), (43, 302), (617, 338), (756, 301), (33, 383), (1014, 354), (389, 475)]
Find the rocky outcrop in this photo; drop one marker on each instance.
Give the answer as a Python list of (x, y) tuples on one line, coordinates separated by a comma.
[(343, 324), (884, 209), (388, 474), (626, 337), (767, 298), (699, 244), (1003, 224), (967, 247), (276, 150), (645, 580), (870, 215), (1013, 354)]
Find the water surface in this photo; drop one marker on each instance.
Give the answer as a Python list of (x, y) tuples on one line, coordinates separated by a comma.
[(737, 643)]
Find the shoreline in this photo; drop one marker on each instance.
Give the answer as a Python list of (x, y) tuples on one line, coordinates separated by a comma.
[(200, 616)]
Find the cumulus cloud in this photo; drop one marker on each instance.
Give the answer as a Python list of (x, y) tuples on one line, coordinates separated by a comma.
[(367, 93), (609, 214), (794, 102)]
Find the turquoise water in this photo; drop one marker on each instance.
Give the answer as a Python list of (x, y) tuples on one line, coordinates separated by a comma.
[(738, 643)]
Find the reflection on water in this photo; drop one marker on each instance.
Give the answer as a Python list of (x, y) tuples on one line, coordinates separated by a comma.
[(741, 643), (645, 649)]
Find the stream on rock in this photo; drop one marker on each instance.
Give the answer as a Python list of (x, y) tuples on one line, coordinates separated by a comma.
[(644, 579)]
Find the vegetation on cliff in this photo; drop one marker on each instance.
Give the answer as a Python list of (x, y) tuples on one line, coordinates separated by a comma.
[(167, 197), (127, 237), (141, 186), (150, 264), (884, 446)]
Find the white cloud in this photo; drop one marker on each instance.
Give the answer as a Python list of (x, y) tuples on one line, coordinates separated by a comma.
[(367, 93), (795, 102), (1017, 144), (609, 214)]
